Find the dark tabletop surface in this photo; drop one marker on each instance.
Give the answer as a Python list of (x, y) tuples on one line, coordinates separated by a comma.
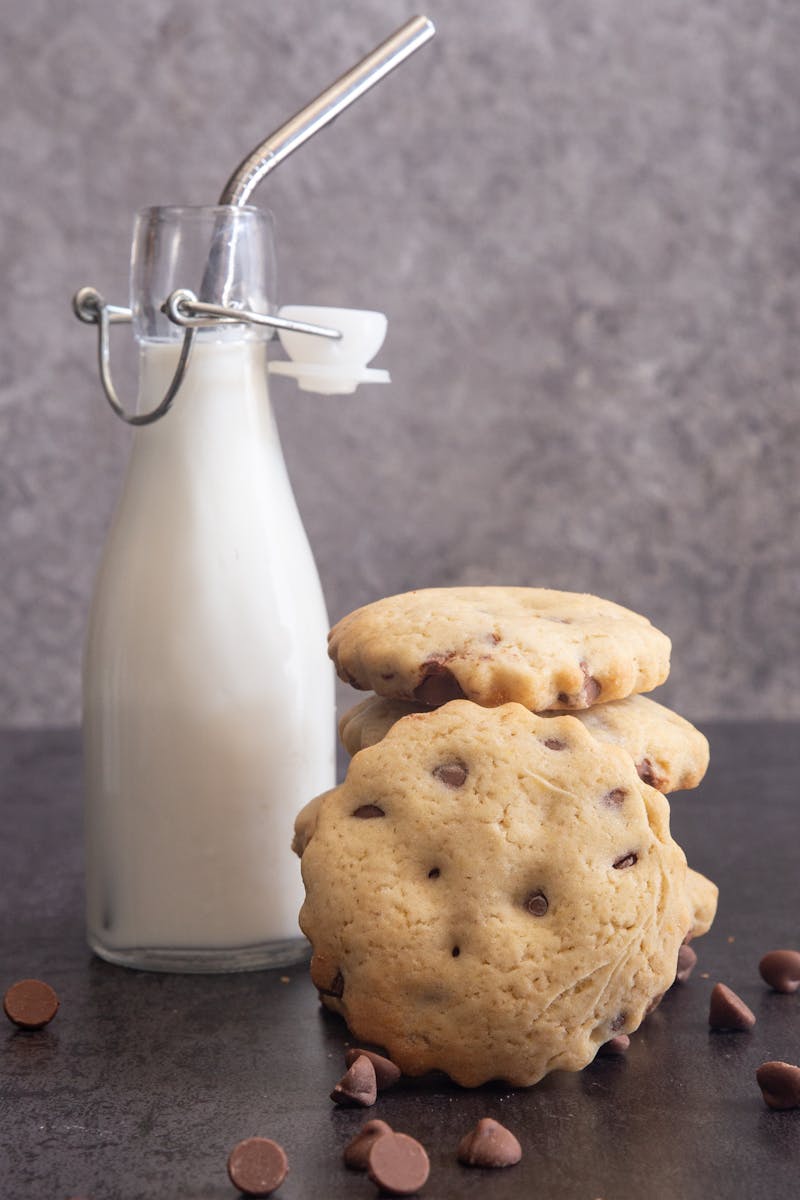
[(143, 1082)]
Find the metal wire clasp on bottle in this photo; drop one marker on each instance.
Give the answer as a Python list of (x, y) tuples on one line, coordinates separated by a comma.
[(183, 309)]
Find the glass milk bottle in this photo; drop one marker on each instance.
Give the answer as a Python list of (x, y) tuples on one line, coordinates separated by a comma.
[(208, 695)]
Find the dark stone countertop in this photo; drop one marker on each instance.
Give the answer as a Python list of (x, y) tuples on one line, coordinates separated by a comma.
[(143, 1082)]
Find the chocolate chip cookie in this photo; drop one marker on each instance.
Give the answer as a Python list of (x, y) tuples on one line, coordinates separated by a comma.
[(493, 894), (670, 754), (541, 648)]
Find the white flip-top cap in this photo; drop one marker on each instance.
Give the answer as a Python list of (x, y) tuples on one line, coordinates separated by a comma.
[(332, 367)]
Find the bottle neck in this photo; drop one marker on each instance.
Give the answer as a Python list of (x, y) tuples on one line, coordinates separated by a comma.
[(223, 396)]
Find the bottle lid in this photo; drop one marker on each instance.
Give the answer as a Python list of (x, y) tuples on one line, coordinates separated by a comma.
[(334, 368)]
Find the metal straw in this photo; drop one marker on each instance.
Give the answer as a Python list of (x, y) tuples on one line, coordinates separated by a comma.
[(297, 130)]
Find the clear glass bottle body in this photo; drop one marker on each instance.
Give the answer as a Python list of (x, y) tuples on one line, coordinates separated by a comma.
[(208, 696)]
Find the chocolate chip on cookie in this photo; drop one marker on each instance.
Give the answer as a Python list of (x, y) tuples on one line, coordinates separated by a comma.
[(781, 970), (537, 904), (489, 1144), (438, 685), (452, 774), (728, 1012), (367, 812)]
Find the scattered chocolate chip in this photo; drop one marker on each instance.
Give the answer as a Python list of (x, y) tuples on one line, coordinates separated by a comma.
[(654, 1003), (30, 1003), (618, 1021), (451, 774), (389, 675), (687, 961), (438, 685), (358, 1086), (727, 1011), (489, 1144), (386, 1072), (537, 904), (367, 811), (398, 1164), (356, 1152), (257, 1166), (434, 873), (326, 976), (614, 798), (615, 1045), (781, 970), (627, 860), (780, 1084), (555, 744)]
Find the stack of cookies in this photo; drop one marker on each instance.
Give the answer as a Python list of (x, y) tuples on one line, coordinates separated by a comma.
[(493, 891)]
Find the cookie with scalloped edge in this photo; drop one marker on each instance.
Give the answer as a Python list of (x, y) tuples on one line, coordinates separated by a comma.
[(669, 752), (493, 894), (541, 648)]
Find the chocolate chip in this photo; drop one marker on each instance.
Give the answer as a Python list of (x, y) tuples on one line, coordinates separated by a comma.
[(537, 904), (586, 697), (358, 1086), (386, 1072), (489, 1144), (30, 1003), (780, 1084), (618, 1021), (614, 798), (451, 774), (727, 1011), (687, 961), (615, 1045), (326, 976), (627, 860), (781, 970), (356, 1152), (367, 811), (456, 951), (438, 685), (434, 873), (591, 687), (257, 1166), (654, 1003), (555, 744), (647, 772), (398, 1164)]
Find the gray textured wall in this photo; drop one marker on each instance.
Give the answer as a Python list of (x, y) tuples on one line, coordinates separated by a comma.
[(583, 219)]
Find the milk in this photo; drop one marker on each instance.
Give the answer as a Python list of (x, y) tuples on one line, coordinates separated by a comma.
[(208, 695)]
